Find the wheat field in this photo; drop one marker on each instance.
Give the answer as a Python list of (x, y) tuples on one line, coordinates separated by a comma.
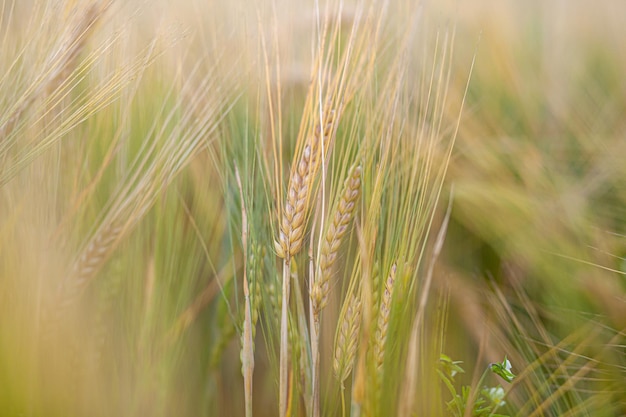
[(312, 208)]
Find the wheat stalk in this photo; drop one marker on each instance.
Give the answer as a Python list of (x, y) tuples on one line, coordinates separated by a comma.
[(320, 286), (292, 227)]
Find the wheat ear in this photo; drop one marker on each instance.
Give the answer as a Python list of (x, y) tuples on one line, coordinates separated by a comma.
[(299, 190), (383, 318), (347, 337), (247, 342), (338, 227)]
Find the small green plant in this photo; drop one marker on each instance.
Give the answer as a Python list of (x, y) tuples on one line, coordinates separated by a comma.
[(503, 369), (484, 403)]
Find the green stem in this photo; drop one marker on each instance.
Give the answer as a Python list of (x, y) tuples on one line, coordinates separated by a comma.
[(284, 341), (475, 393)]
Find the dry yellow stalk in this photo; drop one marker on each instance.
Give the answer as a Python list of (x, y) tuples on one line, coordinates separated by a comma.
[(383, 318), (336, 230), (347, 337), (299, 190)]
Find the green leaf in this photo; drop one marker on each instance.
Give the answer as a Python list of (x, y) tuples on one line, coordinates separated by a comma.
[(450, 367)]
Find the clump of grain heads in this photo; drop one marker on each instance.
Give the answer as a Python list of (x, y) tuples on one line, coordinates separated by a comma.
[(299, 190)]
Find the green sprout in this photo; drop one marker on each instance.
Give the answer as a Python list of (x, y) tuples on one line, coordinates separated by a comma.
[(485, 401)]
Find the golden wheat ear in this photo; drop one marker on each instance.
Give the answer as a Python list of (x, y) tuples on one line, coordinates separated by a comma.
[(341, 218), (300, 188), (383, 318), (347, 337)]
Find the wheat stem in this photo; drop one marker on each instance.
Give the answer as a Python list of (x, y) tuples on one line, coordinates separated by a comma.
[(284, 342), (314, 330)]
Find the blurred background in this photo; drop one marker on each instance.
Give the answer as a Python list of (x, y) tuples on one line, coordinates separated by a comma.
[(103, 204)]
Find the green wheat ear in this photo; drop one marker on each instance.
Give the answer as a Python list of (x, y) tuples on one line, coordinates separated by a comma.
[(503, 369)]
